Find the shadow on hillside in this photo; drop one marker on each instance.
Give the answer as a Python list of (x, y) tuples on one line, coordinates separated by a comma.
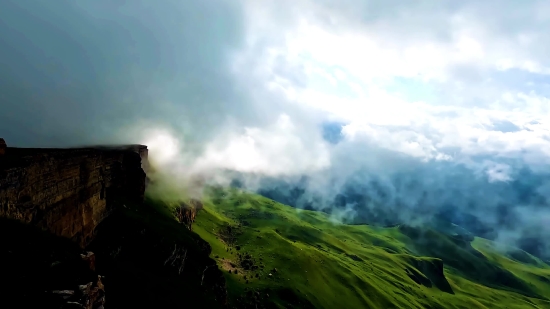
[(459, 254), (428, 272), (521, 256), (151, 261), (34, 263), (147, 258)]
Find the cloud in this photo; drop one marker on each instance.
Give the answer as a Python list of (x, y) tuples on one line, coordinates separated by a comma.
[(275, 150), (427, 80), (433, 77)]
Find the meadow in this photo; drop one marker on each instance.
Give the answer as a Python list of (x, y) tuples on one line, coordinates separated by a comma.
[(273, 255)]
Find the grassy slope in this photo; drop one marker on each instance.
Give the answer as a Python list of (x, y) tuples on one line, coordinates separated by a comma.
[(324, 265)]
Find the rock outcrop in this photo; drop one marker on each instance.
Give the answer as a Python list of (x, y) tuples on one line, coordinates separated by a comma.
[(428, 272), (187, 212), (69, 191)]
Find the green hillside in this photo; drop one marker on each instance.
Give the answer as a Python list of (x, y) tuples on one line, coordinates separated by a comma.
[(276, 256)]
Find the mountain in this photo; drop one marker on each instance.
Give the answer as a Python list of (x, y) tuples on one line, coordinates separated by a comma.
[(80, 230), (492, 210), (241, 250), (276, 256)]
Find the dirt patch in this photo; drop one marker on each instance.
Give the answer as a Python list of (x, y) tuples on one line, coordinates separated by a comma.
[(229, 265)]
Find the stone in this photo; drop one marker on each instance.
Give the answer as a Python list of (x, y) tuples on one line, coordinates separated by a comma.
[(91, 295), (65, 294), (72, 304)]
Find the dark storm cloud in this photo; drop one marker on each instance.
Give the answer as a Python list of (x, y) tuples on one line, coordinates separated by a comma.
[(76, 72)]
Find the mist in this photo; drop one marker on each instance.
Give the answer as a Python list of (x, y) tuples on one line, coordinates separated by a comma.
[(375, 112)]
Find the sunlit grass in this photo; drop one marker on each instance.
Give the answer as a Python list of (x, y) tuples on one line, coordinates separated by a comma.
[(357, 266)]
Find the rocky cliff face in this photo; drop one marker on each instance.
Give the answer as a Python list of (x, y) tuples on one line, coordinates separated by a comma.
[(69, 191), (122, 244), (187, 212)]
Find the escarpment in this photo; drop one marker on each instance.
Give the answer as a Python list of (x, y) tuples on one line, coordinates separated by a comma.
[(68, 192)]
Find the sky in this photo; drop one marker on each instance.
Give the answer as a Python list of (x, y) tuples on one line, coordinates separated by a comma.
[(287, 88)]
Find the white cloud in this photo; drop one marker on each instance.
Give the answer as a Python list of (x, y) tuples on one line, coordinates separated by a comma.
[(426, 80), (446, 82), (274, 150), (277, 149)]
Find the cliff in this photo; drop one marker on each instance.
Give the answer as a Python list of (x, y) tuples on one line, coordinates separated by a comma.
[(68, 192), (83, 229)]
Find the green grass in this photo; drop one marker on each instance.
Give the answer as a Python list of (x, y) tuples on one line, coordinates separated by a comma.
[(321, 264)]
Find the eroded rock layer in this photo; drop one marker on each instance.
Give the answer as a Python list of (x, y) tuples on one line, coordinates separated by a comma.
[(69, 191)]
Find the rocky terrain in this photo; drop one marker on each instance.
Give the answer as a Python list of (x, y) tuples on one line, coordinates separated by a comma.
[(76, 230)]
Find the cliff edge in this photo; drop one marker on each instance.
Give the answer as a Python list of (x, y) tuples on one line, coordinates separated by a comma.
[(78, 226), (68, 192)]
